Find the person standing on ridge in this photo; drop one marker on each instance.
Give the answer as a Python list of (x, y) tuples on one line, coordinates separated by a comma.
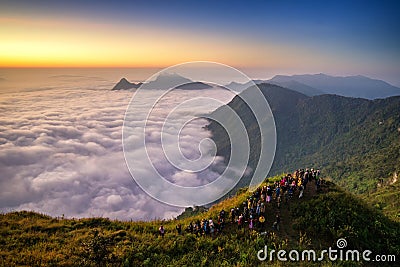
[(161, 230)]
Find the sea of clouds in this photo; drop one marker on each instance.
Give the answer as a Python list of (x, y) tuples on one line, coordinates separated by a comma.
[(61, 153)]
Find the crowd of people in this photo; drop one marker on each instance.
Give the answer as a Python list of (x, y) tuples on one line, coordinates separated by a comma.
[(252, 213)]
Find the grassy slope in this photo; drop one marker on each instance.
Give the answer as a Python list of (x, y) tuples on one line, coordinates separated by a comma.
[(387, 199), (33, 239), (356, 141)]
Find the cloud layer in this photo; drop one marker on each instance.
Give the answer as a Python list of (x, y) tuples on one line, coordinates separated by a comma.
[(61, 153)]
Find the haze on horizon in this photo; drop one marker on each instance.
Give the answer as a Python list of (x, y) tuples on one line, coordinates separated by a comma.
[(260, 38)]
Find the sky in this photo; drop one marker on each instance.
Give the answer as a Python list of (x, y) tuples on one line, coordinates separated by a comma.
[(261, 37)]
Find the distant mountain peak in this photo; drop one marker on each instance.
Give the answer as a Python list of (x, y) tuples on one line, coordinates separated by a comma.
[(124, 84), (350, 86), (163, 81), (193, 86)]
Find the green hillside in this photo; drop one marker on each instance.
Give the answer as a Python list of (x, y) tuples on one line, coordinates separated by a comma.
[(386, 198), (356, 141), (315, 221)]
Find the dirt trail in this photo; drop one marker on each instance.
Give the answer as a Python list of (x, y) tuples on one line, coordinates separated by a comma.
[(286, 230)]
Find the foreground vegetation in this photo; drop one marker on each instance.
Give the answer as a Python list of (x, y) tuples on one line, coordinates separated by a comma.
[(317, 221)]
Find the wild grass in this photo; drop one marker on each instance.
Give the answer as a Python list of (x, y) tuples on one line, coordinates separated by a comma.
[(33, 239)]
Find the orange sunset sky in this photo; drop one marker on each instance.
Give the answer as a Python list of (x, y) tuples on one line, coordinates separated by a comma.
[(285, 38)]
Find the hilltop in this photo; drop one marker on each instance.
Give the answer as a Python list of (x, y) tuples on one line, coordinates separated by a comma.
[(314, 221)]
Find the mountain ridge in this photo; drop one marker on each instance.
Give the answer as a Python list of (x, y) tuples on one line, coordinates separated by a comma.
[(357, 86), (124, 84), (346, 136), (163, 81), (350, 86)]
